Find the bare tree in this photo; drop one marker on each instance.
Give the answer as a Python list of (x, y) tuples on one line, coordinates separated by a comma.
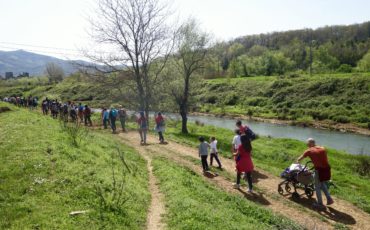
[(137, 31), (191, 45), (54, 72)]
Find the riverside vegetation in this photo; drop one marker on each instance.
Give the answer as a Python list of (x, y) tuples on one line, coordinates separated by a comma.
[(328, 98)]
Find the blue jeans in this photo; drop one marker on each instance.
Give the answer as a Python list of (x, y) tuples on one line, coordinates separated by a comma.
[(321, 186)]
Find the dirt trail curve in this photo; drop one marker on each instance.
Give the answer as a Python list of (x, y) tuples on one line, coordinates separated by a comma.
[(340, 212)]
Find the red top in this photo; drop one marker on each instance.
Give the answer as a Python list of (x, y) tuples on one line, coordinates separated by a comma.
[(245, 163), (243, 129), (158, 119), (318, 156)]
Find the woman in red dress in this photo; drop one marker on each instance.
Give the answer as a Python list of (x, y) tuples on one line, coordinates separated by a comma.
[(244, 164)]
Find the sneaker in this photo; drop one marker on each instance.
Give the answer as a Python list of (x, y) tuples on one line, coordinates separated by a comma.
[(250, 190), (236, 186), (329, 202)]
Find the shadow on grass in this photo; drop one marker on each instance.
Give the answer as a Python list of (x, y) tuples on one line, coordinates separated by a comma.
[(329, 212), (257, 176), (255, 197)]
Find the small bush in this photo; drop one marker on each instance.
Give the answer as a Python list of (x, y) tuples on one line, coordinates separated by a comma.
[(362, 166), (341, 119)]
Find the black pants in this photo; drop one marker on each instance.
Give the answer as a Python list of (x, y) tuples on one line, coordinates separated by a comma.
[(161, 138), (204, 162), (248, 178), (215, 155), (113, 124), (88, 120)]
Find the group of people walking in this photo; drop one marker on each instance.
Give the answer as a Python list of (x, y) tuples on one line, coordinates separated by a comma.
[(29, 102), (241, 150)]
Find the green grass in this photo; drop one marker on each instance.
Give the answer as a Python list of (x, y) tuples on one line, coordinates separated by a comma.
[(193, 203), (274, 155), (43, 177)]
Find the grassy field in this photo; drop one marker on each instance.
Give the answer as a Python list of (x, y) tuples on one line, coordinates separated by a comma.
[(193, 203), (351, 173), (44, 177)]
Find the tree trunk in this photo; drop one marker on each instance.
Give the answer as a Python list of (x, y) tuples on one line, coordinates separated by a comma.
[(184, 117)]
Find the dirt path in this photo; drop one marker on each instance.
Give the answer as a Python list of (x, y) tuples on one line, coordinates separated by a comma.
[(157, 208), (340, 212)]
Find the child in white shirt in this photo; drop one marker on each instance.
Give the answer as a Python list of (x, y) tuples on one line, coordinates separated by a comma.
[(214, 152)]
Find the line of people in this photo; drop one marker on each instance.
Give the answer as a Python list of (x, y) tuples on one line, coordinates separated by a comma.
[(29, 102)]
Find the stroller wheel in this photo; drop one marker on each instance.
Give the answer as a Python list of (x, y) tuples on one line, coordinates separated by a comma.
[(287, 188), (280, 190), (295, 196), (309, 192)]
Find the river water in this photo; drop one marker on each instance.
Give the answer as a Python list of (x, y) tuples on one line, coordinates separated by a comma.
[(348, 142)]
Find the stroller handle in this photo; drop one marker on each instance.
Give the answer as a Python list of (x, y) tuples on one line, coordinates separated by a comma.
[(305, 165)]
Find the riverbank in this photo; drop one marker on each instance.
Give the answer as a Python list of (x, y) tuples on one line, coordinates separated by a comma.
[(324, 125)]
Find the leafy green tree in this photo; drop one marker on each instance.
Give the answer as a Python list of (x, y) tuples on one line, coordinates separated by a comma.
[(364, 63), (191, 48)]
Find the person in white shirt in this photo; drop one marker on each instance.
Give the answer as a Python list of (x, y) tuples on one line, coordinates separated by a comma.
[(236, 141), (214, 152)]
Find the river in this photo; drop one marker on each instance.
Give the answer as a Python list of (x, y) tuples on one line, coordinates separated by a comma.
[(348, 142)]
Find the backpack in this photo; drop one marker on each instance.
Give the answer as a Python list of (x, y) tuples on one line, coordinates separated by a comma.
[(250, 134)]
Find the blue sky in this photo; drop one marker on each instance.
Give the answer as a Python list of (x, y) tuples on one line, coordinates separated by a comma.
[(33, 24)]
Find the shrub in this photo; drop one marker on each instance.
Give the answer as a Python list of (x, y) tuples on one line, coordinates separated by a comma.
[(341, 119), (344, 68), (362, 166)]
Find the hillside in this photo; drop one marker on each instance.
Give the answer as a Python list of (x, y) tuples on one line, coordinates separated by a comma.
[(22, 61), (336, 98)]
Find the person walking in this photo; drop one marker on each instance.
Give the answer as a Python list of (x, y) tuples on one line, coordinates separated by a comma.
[(214, 152), (122, 118), (160, 126), (244, 163), (81, 112), (322, 174), (203, 153), (105, 117), (87, 115), (143, 127), (113, 113)]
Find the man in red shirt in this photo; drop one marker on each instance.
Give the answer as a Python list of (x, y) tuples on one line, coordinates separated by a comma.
[(319, 158)]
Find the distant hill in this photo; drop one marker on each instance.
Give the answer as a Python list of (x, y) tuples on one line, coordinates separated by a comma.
[(23, 61)]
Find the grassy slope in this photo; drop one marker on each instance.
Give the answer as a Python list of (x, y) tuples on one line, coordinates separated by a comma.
[(337, 97), (194, 204), (38, 189), (274, 155)]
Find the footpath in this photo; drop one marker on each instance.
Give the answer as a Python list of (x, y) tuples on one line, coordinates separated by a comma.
[(341, 212)]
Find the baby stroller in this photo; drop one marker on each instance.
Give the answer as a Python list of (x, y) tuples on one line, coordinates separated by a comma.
[(297, 176)]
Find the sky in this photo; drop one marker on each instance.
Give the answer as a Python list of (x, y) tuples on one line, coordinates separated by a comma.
[(59, 27)]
